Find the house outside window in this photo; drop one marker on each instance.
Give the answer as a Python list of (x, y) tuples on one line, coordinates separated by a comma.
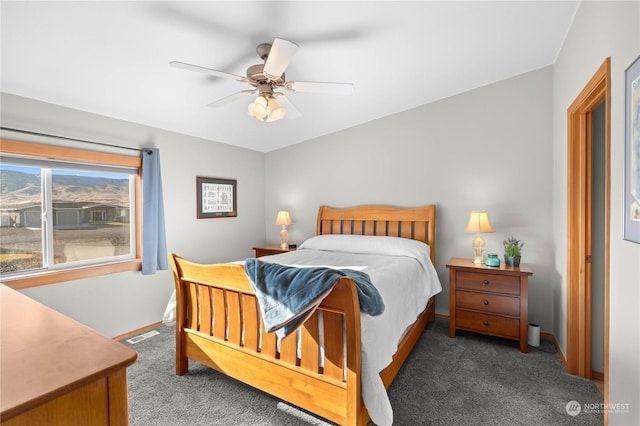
[(66, 218)]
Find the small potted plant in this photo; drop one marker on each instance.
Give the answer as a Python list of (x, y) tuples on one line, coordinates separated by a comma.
[(512, 251)]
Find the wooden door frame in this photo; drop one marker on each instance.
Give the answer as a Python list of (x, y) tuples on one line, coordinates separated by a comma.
[(579, 238)]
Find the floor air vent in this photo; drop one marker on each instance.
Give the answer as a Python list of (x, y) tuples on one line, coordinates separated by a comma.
[(142, 337)]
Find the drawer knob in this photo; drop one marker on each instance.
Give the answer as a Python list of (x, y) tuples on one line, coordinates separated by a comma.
[(485, 282), (486, 302), (486, 322)]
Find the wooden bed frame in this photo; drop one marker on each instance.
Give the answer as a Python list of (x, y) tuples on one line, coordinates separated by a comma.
[(218, 323)]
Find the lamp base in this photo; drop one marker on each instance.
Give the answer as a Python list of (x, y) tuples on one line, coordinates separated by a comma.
[(478, 246), (284, 237)]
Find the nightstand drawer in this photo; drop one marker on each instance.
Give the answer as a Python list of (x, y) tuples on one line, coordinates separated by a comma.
[(488, 323), (488, 302), (507, 284)]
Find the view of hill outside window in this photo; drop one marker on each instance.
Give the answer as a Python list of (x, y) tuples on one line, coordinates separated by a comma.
[(52, 217)]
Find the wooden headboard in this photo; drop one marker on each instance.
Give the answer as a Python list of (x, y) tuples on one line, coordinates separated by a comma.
[(413, 223)]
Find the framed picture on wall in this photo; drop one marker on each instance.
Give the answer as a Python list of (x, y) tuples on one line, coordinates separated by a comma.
[(632, 153), (216, 197)]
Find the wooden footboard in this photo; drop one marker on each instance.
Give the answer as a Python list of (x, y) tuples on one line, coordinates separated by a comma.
[(218, 324)]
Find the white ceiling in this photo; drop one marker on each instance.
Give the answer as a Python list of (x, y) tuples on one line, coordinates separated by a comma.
[(111, 58)]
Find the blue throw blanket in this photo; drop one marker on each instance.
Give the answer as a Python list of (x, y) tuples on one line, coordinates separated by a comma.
[(287, 295)]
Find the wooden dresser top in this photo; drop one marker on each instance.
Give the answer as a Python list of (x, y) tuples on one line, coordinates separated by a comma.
[(46, 354)]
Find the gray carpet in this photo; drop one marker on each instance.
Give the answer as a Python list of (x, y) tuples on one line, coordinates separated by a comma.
[(469, 380)]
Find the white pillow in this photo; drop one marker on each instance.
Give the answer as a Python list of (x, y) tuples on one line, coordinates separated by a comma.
[(368, 244)]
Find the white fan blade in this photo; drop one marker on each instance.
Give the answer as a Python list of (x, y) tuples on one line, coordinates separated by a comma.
[(209, 71), (232, 98), (292, 111), (280, 56), (320, 87)]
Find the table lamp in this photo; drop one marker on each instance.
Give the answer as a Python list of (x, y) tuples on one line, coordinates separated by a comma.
[(478, 223), (283, 219)]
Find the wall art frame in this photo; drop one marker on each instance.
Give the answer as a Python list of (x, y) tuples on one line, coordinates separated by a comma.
[(632, 153), (216, 197)]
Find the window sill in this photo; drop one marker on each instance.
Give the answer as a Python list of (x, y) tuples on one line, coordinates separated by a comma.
[(53, 277)]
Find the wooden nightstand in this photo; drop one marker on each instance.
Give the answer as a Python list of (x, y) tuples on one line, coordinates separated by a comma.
[(488, 300), (271, 249)]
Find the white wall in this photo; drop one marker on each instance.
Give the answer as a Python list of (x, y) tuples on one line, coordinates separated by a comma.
[(490, 148), (119, 303), (600, 30)]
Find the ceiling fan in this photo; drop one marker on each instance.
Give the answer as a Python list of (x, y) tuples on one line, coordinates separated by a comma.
[(268, 77)]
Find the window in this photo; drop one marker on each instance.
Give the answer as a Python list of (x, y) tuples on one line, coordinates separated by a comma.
[(66, 213)]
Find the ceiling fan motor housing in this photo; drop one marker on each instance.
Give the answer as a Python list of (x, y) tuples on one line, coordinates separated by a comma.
[(265, 89), (256, 74)]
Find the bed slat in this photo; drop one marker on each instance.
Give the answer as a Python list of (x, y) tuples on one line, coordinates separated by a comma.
[(288, 349), (310, 344), (219, 317), (393, 229), (405, 229), (420, 232), (333, 346), (192, 308), (204, 294), (269, 343), (251, 338), (369, 227), (234, 315)]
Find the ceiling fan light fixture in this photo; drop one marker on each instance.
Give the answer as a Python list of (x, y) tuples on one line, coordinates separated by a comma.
[(266, 108), (258, 108), (275, 110)]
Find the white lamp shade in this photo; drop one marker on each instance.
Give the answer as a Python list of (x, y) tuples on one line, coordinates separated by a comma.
[(478, 222), (275, 110), (283, 218), (258, 108)]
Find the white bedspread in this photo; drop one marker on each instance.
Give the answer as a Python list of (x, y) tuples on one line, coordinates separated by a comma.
[(402, 272)]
